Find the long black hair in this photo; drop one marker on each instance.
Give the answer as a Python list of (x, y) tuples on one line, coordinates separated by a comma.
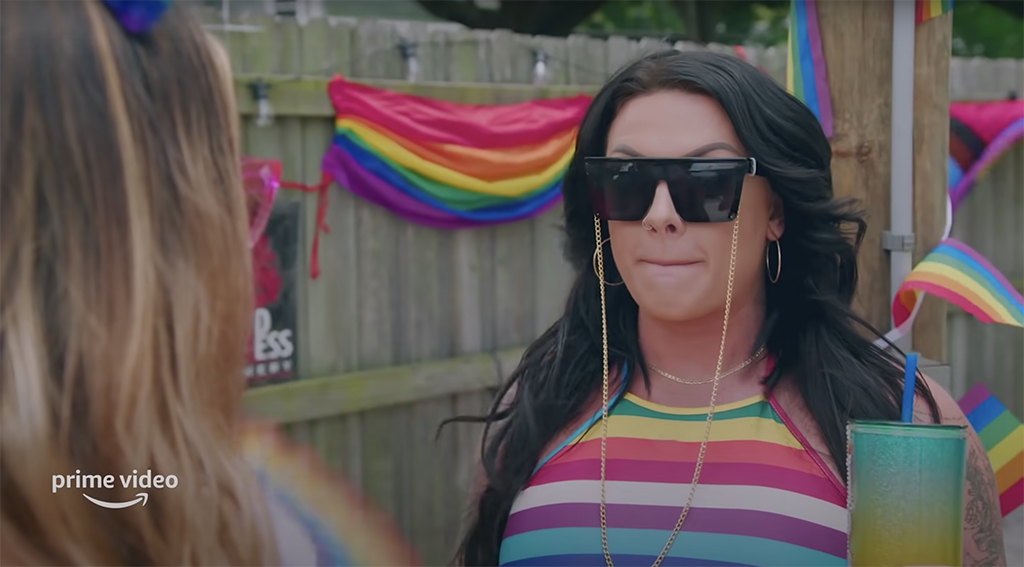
[(809, 325)]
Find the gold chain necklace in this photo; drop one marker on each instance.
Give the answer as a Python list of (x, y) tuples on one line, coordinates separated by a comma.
[(675, 378), (604, 399)]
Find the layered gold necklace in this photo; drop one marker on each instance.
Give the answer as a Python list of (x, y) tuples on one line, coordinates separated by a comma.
[(599, 255), (754, 357)]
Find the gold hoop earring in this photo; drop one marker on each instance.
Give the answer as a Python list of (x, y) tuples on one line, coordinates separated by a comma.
[(598, 262), (778, 261)]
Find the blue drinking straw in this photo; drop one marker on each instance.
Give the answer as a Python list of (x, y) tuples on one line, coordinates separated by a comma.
[(909, 378)]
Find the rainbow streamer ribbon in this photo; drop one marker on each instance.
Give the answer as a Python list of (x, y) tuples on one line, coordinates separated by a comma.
[(979, 134), (806, 78), (928, 9), (340, 524), (1002, 434), (958, 274), (448, 165)]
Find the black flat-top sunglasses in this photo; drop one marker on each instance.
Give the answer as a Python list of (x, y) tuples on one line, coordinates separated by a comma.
[(702, 189)]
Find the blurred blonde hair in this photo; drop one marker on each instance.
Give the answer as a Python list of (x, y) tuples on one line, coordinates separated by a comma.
[(126, 291)]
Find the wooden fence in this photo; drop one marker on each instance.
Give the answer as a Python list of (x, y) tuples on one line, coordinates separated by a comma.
[(406, 325)]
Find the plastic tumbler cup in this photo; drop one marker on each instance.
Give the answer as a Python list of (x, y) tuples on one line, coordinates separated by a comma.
[(906, 494)]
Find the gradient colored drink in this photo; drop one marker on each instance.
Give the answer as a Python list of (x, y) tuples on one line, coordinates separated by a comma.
[(906, 494)]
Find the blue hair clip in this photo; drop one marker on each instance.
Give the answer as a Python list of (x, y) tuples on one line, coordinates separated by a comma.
[(137, 16)]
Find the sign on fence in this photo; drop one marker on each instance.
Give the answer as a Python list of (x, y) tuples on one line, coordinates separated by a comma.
[(272, 346)]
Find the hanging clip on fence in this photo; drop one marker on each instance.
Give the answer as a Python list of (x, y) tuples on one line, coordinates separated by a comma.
[(897, 242), (540, 67), (261, 94), (412, 65)]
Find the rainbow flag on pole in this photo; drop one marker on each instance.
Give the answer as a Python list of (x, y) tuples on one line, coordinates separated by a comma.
[(961, 276), (928, 9), (805, 70), (1002, 434)]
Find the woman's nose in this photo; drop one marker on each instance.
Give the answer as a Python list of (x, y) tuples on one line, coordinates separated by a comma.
[(662, 216)]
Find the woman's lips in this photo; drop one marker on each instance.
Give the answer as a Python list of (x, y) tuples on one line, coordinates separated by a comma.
[(671, 263), (670, 270)]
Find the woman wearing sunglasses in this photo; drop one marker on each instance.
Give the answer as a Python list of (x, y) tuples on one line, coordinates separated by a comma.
[(690, 405)]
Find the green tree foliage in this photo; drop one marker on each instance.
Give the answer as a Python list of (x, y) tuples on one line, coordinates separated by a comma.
[(980, 28), (741, 21), (983, 28)]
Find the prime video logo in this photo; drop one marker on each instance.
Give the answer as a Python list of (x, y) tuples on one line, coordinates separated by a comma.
[(148, 480)]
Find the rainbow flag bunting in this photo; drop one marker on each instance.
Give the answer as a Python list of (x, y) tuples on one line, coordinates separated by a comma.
[(961, 276), (805, 70), (1002, 434), (448, 165), (928, 9)]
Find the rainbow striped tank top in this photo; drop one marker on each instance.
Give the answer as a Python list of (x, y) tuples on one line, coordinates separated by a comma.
[(763, 497)]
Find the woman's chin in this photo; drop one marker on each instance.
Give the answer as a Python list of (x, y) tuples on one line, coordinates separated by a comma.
[(673, 305)]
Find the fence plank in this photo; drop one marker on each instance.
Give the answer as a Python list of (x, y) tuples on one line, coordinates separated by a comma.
[(467, 63), (1012, 263), (467, 443), (422, 332), (1006, 250), (383, 433), (433, 488), (332, 332), (587, 60)]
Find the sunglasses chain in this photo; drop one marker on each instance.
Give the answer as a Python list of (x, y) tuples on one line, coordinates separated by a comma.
[(604, 397)]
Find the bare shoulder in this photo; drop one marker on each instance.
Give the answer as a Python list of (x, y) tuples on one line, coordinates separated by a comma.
[(983, 520), (949, 410), (798, 416)]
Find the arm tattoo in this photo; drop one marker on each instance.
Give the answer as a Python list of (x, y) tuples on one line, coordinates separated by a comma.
[(923, 416), (983, 525), (982, 517)]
